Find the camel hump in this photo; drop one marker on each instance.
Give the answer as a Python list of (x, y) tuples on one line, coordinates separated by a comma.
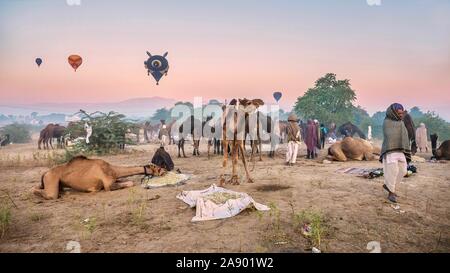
[(77, 158)]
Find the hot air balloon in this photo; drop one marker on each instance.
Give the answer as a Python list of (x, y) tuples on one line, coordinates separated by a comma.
[(75, 61), (277, 96), (157, 66), (38, 61)]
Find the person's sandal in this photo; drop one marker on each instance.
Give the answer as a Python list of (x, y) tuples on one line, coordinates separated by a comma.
[(387, 189), (392, 198)]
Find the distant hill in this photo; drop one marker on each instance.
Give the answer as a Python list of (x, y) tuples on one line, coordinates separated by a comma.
[(136, 107)]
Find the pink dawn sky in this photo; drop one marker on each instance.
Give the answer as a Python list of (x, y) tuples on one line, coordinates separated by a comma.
[(396, 52)]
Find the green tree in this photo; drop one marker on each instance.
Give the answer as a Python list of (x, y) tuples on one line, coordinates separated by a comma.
[(362, 119), (330, 100), (18, 133), (435, 125), (415, 113), (161, 114), (108, 133)]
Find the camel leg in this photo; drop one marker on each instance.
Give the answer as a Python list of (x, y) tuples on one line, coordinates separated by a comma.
[(225, 153), (252, 144), (260, 149), (369, 156), (122, 185), (340, 156), (196, 146), (209, 147), (224, 162), (182, 148), (51, 188), (249, 180), (234, 178), (108, 182), (39, 142)]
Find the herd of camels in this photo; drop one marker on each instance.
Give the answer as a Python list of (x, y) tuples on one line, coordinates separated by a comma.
[(92, 175)]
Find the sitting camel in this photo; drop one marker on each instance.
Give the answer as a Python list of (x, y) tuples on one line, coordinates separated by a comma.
[(443, 152), (349, 130), (353, 148), (89, 175)]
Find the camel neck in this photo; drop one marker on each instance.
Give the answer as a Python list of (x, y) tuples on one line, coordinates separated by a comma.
[(127, 171)]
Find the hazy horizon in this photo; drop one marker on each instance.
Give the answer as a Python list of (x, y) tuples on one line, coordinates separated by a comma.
[(396, 52)]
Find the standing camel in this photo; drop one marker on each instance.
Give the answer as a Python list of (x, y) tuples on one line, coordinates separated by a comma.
[(43, 134), (188, 127), (232, 123), (48, 133)]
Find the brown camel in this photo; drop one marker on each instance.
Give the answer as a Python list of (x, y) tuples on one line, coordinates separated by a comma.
[(43, 134), (48, 133), (236, 143), (443, 152), (353, 148), (89, 175)]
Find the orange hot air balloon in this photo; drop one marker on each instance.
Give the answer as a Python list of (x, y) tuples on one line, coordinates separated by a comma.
[(75, 61)]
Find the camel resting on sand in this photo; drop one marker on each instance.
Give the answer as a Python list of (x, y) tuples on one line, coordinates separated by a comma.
[(353, 148), (89, 175)]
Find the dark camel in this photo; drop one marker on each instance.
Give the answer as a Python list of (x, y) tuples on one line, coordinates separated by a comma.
[(349, 130), (443, 152)]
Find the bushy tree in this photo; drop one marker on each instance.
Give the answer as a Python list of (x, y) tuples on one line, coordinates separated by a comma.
[(330, 100), (435, 125), (161, 114), (18, 133), (108, 132)]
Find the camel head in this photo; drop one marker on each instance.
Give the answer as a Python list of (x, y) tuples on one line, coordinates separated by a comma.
[(249, 106), (154, 170)]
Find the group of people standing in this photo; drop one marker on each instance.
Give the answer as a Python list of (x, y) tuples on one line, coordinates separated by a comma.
[(312, 133)]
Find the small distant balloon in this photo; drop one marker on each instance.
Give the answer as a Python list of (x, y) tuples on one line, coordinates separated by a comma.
[(75, 61), (38, 61), (157, 66), (277, 96)]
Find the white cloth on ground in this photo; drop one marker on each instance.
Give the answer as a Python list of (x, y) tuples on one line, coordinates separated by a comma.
[(217, 203)]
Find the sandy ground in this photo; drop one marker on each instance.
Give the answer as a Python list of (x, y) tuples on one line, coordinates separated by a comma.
[(355, 210)]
